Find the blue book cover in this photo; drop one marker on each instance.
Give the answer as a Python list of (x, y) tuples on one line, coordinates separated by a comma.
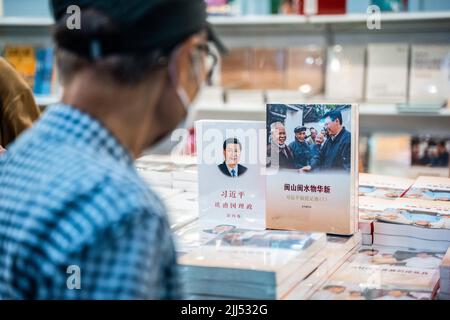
[(44, 71)]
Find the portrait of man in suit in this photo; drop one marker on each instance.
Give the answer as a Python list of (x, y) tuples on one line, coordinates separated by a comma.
[(232, 154)]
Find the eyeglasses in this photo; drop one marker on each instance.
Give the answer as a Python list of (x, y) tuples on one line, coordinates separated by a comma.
[(210, 60)]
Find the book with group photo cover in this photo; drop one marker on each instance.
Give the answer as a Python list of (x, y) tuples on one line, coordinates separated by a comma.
[(231, 165), (422, 213), (312, 171), (430, 188), (381, 186), (384, 273)]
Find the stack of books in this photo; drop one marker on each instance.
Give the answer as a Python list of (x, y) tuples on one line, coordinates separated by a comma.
[(444, 292), (415, 217), (414, 223), (248, 264), (384, 273)]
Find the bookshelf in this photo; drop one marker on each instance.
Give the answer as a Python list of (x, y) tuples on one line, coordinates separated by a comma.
[(271, 20), (293, 30)]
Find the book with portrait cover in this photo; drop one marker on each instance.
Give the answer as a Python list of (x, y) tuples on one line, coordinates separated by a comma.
[(430, 188), (251, 264), (384, 273), (387, 73), (381, 186), (312, 186), (231, 165), (429, 73)]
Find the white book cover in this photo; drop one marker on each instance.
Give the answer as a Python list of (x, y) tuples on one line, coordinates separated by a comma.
[(312, 187), (430, 188), (417, 212), (345, 72), (231, 163), (382, 186), (429, 74), (387, 73)]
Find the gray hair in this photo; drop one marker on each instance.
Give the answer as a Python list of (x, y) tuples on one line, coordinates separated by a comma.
[(274, 125)]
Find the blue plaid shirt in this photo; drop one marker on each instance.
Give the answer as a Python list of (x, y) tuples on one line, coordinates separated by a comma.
[(70, 198)]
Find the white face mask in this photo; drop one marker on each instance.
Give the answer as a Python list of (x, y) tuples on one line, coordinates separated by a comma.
[(184, 97)]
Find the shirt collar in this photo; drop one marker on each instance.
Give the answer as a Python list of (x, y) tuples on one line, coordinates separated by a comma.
[(339, 134), (235, 169), (81, 130)]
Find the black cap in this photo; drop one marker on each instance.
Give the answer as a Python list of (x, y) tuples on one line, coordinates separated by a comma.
[(140, 25), (299, 129)]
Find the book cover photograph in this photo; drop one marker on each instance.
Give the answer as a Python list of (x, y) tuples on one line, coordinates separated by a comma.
[(231, 159), (384, 273), (397, 256), (430, 188), (312, 181), (382, 186), (422, 213)]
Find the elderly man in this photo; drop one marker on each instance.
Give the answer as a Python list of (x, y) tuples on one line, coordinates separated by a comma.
[(72, 204), (315, 149), (312, 136), (278, 153), (335, 153), (301, 150)]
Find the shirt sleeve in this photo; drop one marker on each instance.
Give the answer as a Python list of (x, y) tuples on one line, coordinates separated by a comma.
[(131, 260)]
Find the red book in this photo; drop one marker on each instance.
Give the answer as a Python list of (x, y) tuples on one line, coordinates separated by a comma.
[(322, 6)]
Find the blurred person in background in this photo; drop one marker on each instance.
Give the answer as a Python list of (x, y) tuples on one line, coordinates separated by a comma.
[(18, 109), (75, 201)]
